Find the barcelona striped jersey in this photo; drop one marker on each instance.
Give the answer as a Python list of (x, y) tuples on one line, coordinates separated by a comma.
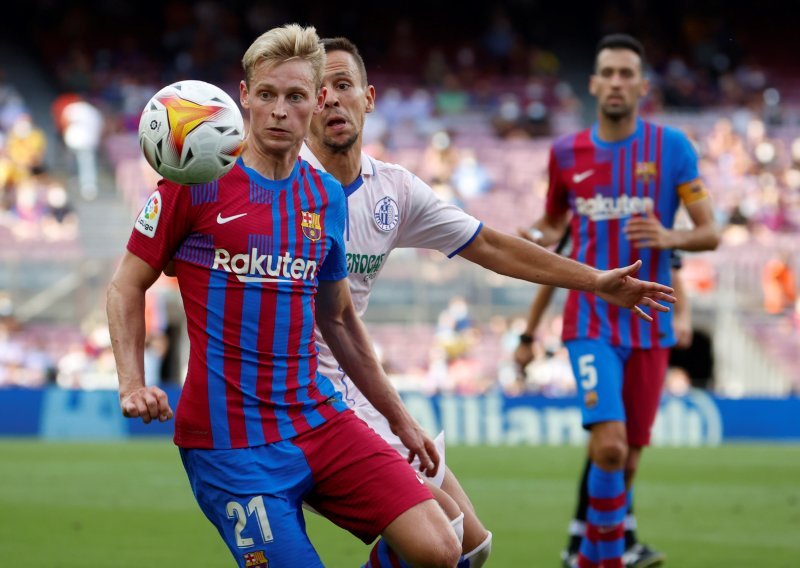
[(248, 253), (603, 185)]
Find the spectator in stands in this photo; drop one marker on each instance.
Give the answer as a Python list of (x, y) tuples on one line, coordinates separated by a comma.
[(83, 126), (26, 145), (440, 158), (60, 221), (470, 179), (455, 331), (778, 283)]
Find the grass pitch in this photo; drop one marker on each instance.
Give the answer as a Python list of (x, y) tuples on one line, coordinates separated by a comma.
[(129, 505)]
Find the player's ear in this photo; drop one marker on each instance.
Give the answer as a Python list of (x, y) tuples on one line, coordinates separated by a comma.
[(243, 94), (644, 90), (593, 85), (321, 95), (370, 98)]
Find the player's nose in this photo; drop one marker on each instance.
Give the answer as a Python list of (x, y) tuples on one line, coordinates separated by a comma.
[(331, 99), (279, 110)]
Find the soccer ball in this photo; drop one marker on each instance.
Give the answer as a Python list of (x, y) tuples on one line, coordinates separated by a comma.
[(191, 132)]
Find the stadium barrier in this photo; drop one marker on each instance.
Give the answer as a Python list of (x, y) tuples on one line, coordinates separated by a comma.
[(696, 419)]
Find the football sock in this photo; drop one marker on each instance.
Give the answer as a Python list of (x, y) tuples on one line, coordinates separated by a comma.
[(382, 556), (604, 542), (478, 556), (577, 527), (630, 523)]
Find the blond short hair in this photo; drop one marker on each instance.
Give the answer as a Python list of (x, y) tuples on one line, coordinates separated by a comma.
[(279, 45)]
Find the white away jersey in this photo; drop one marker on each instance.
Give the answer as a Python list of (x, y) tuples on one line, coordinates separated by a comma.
[(388, 207)]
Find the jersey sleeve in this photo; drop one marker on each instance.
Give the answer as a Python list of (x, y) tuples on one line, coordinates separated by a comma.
[(428, 222), (688, 184), (162, 225), (334, 267), (557, 202)]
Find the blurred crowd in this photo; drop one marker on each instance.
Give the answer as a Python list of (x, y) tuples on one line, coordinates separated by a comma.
[(34, 204)]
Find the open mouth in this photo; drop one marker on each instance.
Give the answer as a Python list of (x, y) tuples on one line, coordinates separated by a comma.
[(336, 122)]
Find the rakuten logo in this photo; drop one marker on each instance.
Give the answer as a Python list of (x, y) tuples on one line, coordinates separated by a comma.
[(256, 267), (600, 208)]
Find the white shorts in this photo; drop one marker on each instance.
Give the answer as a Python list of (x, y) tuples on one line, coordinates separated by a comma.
[(375, 420)]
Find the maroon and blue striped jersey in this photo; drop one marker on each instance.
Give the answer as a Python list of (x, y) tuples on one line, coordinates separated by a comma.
[(603, 184), (248, 254)]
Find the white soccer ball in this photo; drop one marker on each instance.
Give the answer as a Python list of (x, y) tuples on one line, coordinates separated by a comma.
[(191, 132)]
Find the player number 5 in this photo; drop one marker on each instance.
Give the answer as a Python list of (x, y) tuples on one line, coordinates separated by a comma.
[(236, 511), (587, 371)]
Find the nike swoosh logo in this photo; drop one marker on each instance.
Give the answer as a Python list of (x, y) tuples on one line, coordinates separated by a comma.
[(578, 178), (222, 220)]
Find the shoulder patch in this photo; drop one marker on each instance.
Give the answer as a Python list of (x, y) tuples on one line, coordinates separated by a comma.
[(387, 214), (147, 221)]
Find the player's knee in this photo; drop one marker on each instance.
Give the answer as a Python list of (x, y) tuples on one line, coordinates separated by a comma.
[(610, 454), (442, 552), (478, 556), (425, 538)]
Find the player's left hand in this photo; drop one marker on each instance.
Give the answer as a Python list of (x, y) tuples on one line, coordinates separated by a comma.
[(646, 231), (620, 288), (419, 445)]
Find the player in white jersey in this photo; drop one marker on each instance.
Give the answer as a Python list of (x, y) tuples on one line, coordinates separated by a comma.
[(389, 207)]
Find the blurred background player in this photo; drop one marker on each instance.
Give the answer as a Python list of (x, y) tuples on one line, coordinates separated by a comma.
[(618, 186), (259, 429), (637, 554), (388, 208)]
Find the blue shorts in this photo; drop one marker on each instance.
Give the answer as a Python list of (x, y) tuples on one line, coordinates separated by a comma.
[(342, 469), (619, 384)]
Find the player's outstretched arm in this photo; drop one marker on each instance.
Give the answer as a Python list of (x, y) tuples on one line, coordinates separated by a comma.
[(518, 258), (125, 309), (347, 338), (620, 288)]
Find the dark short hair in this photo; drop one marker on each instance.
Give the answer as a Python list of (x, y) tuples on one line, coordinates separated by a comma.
[(621, 41), (343, 44)]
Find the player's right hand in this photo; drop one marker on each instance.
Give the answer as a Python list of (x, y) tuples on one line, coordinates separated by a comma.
[(147, 403), (419, 445), (523, 355)]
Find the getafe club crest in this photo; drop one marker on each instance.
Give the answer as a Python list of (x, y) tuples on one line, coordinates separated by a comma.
[(387, 214), (310, 223)]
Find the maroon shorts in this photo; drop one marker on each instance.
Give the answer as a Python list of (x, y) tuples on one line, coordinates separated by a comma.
[(360, 482), (644, 375)]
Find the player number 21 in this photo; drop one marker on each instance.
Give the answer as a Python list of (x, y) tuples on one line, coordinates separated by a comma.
[(587, 371), (256, 506)]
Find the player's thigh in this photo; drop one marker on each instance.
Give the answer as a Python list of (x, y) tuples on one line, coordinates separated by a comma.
[(252, 496), (645, 370), (598, 369), (377, 421), (360, 482), (423, 534)]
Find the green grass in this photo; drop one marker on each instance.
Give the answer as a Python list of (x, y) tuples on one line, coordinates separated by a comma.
[(129, 505)]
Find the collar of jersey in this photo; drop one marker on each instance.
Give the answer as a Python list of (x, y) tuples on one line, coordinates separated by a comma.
[(367, 165), (265, 182), (351, 188), (596, 138)]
